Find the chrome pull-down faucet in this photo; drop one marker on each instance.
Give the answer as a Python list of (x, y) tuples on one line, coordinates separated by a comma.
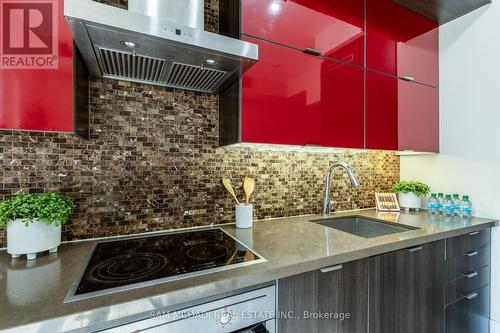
[(327, 202)]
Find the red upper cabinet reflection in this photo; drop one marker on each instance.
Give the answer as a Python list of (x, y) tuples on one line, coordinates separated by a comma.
[(281, 97), (342, 98), (335, 27), (289, 97), (381, 111), (401, 42), (40, 99), (401, 115), (418, 120)]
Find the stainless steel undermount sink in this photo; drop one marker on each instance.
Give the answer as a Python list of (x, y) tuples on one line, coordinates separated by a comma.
[(363, 227)]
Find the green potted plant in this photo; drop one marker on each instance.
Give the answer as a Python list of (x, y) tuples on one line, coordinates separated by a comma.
[(410, 193), (34, 222)]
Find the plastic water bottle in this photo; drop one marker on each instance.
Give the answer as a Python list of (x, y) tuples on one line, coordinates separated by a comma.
[(465, 207), (440, 200), (433, 205), (456, 204), (448, 206)]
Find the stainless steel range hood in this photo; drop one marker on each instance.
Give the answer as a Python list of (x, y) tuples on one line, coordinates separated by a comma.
[(133, 46)]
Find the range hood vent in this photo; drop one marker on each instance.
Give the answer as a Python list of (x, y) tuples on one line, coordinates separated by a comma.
[(127, 66), (128, 45), (194, 77)]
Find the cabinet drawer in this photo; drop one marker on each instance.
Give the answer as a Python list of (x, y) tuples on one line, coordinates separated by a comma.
[(467, 284), (457, 246), (467, 262), (407, 290), (470, 314), (336, 289)]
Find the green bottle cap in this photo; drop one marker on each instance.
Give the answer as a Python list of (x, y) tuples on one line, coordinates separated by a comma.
[(448, 196), (466, 197), (433, 195), (455, 195), (440, 194)]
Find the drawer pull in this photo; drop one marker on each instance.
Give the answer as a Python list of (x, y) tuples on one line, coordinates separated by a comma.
[(474, 233), (471, 275), (472, 254), (312, 51), (470, 297), (415, 249), (330, 269), (408, 78)]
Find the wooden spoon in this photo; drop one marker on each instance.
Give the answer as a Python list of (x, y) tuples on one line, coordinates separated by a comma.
[(229, 188), (248, 187), (232, 257)]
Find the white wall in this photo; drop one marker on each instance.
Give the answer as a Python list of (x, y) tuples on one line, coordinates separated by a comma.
[(470, 123)]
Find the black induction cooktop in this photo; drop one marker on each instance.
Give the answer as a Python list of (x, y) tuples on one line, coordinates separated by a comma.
[(138, 262)]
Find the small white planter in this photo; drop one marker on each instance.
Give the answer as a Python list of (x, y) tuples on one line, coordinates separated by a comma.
[(36, 237), (410, 201), (244, 216)]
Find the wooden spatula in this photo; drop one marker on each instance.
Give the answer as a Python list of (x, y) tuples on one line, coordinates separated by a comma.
[(227, 184), (248, 187)]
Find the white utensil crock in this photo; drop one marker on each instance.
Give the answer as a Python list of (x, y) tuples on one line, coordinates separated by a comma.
[(244, 216)]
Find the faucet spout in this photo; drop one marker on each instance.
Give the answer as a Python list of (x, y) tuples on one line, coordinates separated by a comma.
[(327, 202)]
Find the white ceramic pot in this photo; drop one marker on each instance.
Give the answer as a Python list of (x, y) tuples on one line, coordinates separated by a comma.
[(410, 201), (244, 216), (36, 237)]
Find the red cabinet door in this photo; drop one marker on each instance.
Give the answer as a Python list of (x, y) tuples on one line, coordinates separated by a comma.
[(401, 42), (401, 115), (289, 97), (40, 99), (336, 27), (342, 99)]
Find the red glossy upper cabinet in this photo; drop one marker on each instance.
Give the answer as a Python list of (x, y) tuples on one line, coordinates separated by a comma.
[(342, 99), (401, 42), (39, 99), (335, 28), (401, 115), (290, 97)]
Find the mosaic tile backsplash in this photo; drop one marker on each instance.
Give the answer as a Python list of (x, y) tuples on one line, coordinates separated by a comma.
[(152, 163)]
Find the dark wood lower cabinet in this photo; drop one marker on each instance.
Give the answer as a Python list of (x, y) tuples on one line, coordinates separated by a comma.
[(470, 314), (407, 290), (330, 300), (467, 283)]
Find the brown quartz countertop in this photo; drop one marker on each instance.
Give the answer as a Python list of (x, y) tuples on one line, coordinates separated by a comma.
[(33, 292)]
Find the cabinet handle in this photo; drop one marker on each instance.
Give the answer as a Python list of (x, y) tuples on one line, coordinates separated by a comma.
[(330, 269), (474, 233), (470, 297), (471, 275), (472, 254), (312, 51), (408, 78), (415, 249)]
